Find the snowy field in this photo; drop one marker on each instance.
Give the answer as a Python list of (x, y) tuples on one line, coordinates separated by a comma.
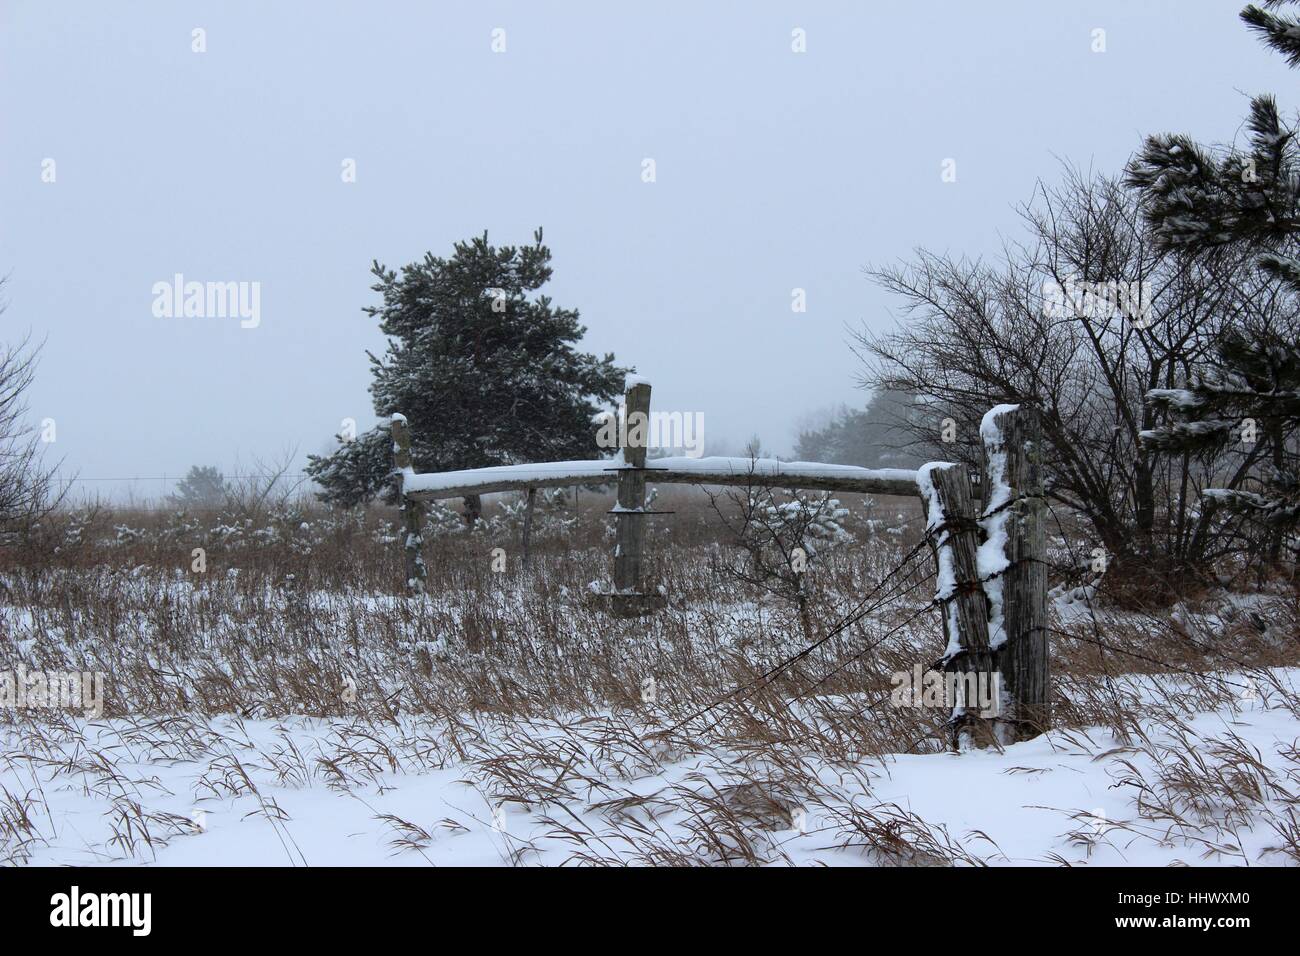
[(303, 791), (276, 713)]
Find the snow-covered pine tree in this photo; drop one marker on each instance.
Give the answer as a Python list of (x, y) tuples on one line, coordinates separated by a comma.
[(781, 537), (1199, 200), (1203, 202), (1282, 33), (202, 487), (483, 367), (808, 520), (359, 470), (1247, 395)]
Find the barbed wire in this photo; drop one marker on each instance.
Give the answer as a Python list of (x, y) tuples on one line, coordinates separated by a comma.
[(864, 608)]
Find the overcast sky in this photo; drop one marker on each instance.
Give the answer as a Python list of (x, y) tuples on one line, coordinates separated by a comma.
[(775, 170)]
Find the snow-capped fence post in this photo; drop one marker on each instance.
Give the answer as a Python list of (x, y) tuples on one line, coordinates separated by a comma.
[(1013, 564), (629, 598), (412, 510), (955, 535), (630, 518)]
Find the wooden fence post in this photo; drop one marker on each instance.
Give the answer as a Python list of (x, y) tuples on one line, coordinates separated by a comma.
[(528, 523), (629, 598), (630, 518), (412, 511), (951, 522), (1014, 565)]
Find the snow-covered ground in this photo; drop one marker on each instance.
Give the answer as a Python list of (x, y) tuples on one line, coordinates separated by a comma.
[(495, 791), (504, 719)]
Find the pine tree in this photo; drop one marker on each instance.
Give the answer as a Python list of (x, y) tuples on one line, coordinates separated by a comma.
[(482, 365), (1249, 396), (1281, 33), (202, 487), (874, 437), (1201, 203)]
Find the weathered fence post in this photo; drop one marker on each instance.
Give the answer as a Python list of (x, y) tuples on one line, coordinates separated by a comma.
[(528, 523), (629, 598), (473, 510), (951, 522), (630, 516), (412, 511), (1013, 565)]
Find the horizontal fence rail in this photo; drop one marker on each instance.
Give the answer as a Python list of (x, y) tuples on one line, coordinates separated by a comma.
[(990, 564), (813, 476)]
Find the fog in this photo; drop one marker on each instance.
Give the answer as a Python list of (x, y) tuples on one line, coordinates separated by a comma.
[(775, 171)]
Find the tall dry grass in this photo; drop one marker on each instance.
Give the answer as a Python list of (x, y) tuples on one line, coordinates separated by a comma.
[(550, 705)]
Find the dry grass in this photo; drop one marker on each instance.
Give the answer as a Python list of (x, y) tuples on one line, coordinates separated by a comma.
[(539, 700)]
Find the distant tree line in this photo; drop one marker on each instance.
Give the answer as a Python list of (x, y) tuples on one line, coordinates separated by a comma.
[(877, 436)]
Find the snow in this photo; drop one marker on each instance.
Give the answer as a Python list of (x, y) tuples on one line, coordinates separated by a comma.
[(925, 485), (946, 575), (991, 557), (1220, 494), (580, 472), (989, 430), (1179, 398), (586, 471), (631, 381), (772, 468), (1059, 795)]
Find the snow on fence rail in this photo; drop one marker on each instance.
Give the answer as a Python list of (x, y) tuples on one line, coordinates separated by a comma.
[(992, 581), (698, 471)]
